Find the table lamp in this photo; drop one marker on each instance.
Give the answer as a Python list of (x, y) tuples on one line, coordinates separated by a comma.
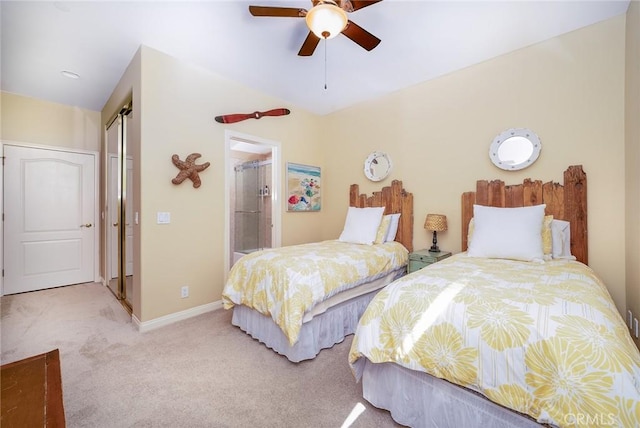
[(436, 223)]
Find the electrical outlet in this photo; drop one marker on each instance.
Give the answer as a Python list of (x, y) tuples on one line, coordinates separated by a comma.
[(635, 327), (630, 319), (184, 292)]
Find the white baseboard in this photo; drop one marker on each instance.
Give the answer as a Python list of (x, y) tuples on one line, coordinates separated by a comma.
[(175, 317)]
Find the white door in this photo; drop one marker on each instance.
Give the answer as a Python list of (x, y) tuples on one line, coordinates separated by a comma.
[(50, 218)]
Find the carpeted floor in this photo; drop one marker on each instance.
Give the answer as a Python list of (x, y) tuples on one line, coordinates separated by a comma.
[(201, 372)]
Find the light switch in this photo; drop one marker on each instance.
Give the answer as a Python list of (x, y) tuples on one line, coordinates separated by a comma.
[(164, 218)]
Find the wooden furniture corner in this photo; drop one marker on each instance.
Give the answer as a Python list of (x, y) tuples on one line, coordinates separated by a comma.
[(32, 392)]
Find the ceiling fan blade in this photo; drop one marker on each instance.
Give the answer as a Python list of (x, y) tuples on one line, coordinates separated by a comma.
[(359, 4), (287, 12), (309, 45), (360, 36)]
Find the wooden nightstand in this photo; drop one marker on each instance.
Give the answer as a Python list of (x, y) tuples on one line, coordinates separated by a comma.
[(421, 258)]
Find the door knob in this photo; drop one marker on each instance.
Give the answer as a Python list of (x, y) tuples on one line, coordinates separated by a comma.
[(86, 225), (115, 224)]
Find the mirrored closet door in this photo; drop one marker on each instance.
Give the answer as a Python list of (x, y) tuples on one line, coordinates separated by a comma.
[(119, 237)]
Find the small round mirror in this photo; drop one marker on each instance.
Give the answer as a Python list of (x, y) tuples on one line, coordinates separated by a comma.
[(377, 166), (515, 149)]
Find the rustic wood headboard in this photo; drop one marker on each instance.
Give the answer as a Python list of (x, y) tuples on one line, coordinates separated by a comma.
[(395, 200), (565, 202)]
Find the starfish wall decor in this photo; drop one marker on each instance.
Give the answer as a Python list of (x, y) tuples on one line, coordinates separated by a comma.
[(189, 169)]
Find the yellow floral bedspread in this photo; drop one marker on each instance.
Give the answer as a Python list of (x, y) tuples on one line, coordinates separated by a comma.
[(286, 282), (544, 339)]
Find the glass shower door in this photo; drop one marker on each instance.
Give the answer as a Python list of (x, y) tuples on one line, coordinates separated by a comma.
[(248, 208)]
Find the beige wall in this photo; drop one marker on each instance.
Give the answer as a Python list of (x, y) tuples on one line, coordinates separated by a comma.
[(632, 158), (569, 90), (30, 120), (178, 106)]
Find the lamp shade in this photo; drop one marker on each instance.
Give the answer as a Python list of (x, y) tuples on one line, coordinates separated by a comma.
[(436, 222), (326, 20)]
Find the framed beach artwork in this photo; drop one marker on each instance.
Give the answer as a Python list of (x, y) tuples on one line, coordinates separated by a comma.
[(303, 188)]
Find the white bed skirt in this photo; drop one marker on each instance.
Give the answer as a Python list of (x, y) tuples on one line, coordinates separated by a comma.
[(417, 400), (323, 331)]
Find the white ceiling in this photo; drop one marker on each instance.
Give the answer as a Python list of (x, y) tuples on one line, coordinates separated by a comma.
[(421, 40)]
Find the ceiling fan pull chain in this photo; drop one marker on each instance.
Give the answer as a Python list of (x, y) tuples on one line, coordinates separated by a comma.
[(325, 64)]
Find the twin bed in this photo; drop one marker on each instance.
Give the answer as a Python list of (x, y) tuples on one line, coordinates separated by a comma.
[(499, 335), (301, 299), (504, 335)]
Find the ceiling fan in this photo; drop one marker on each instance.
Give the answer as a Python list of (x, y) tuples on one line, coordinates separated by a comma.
[(326, 19)]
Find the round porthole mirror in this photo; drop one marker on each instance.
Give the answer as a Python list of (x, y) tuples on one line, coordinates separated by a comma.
[(515, 149), (377, 166)]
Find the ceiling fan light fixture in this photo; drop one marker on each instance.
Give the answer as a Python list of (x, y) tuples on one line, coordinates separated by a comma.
[(326, 20)]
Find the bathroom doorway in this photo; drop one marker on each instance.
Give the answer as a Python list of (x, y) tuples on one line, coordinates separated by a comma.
[(253, 214), (252, 204)]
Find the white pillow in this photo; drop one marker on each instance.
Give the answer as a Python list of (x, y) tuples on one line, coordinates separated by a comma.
[(561, 240), (507, 233), (393, 227), (547, 236), (361, 225)]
